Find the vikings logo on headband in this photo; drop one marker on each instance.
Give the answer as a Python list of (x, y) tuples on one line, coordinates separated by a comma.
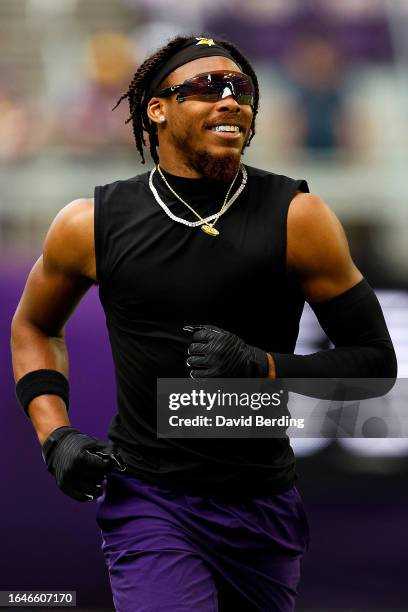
[(205, 41)]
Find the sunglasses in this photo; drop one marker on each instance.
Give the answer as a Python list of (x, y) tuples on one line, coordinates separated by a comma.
[(213, 86)]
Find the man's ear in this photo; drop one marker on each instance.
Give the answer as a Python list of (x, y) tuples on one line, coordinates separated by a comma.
[(155, 110)]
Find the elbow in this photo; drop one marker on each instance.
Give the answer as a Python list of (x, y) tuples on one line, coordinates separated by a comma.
[(389, 367), (19, 328), (392, 365), (379, 376), (15, 330), (22, 327)]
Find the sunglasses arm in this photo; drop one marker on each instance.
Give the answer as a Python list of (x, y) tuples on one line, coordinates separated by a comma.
[(169, 91)]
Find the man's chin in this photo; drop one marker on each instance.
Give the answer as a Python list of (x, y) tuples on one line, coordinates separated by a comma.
[(221, 168)]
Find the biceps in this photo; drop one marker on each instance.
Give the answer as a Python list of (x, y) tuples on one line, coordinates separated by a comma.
[(322, 257), (49, 298), (334, 273)]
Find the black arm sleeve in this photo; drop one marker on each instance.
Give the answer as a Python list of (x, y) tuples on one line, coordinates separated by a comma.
[(355, 324)]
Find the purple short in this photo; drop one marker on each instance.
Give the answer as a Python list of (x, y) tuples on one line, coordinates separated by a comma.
[(171, 552)]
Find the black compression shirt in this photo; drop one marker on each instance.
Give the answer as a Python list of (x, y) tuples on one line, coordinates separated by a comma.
[(156, 275)]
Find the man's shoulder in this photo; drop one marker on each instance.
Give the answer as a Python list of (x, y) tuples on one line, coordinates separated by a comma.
[(74, 223), (75, 215), (69, 242)]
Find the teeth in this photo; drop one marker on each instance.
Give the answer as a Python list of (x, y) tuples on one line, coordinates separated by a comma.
[(225, 128)]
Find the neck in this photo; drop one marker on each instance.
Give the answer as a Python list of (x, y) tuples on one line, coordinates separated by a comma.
[(179, 169), (172, 160)]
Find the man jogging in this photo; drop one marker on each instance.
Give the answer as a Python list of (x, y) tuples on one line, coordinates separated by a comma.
[(203, 267)]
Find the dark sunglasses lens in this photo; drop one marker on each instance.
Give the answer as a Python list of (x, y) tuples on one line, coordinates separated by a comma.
[(245, 99), (211, 87)]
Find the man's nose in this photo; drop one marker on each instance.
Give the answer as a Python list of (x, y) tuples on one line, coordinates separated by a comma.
[(228, 103)]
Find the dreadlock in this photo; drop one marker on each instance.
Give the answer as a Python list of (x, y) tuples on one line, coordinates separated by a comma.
[(140, 82)]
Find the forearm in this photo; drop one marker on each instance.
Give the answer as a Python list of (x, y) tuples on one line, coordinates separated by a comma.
[(340, 362), (78, 462), (33, 350), (354, 322), (47, 412)]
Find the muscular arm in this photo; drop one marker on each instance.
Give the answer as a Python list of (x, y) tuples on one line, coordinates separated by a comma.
[(347, 309), (55, 285), (317, 249)]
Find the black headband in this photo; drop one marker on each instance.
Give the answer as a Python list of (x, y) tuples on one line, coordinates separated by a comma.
[(191, 50)]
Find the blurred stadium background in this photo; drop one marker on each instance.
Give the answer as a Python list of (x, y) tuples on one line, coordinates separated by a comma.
[(334, 98)]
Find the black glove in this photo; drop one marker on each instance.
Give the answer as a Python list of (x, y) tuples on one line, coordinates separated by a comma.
[(216, 353), (79, 462)]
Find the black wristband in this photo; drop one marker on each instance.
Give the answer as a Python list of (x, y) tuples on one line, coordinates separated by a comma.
[(41, 382)]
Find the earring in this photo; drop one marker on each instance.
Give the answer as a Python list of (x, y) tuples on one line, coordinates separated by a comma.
[(162, 118)]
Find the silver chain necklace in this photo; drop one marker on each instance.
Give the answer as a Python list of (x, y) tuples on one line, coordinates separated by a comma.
[(206, 223)]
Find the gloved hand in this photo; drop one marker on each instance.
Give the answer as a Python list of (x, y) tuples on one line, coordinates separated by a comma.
[(79, 462), (216, 353)]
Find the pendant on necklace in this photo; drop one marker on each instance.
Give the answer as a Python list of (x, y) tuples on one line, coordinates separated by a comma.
[(208, 229)]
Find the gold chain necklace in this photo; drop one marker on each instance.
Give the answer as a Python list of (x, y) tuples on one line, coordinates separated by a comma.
[(208, 228)]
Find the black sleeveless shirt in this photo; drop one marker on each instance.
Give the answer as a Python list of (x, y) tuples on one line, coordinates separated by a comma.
[(156, 275)]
